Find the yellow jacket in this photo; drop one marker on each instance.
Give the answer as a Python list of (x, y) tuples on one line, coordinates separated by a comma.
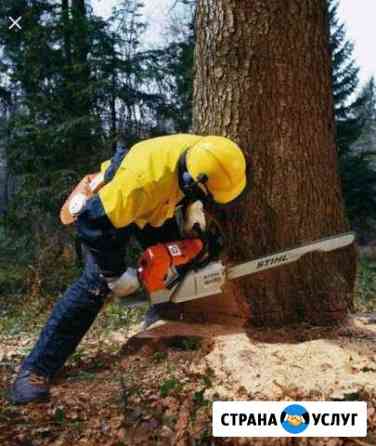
[(145, 188)]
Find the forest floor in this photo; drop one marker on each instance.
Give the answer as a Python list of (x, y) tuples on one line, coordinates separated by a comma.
[(129, 388)]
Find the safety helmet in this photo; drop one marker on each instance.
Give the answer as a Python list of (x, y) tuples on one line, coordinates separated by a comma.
[(219, 164)]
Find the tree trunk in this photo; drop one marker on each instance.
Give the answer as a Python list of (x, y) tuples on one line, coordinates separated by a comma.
[(67, 32), (263, 79), (80, 54), (3, 170), (68, 70), (113, 97), (82, 141)]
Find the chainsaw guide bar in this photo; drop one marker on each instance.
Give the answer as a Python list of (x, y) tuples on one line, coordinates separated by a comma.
[(291, 255), (210, 280)]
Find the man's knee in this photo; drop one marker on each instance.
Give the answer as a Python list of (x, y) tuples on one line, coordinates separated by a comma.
[(91, 285), (95, 283)]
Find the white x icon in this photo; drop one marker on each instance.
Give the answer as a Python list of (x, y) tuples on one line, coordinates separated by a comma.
[(15, 23)]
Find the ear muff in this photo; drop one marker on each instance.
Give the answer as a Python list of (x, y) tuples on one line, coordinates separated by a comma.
[(192, 189)]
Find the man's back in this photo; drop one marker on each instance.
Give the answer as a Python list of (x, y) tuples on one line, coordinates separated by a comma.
[(145, 188)]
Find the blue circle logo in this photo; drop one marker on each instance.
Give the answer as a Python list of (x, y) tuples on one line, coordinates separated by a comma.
[(294, 419)]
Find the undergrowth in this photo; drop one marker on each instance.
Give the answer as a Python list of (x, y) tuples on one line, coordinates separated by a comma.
[(365, 291), (36, 268)]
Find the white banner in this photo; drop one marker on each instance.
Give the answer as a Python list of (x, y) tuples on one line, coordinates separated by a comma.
[(289, 419)]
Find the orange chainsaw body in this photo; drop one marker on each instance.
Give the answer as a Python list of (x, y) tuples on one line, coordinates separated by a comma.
[(159, 262)]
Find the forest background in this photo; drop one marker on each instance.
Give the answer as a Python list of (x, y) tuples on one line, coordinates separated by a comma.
[(73, 85)]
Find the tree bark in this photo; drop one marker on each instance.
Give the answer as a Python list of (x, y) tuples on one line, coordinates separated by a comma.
[(263, 79)]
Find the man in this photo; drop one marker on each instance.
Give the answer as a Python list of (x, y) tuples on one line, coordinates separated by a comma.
[(142, 190)]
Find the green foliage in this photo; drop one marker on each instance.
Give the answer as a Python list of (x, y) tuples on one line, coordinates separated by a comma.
[(85, 376), (38, 257), (178, 61), (71, 85), (168, 386), (160, 356), (11, 276), (53, 123), (199, 398), (119, 316), (51, 130), (185, 343), (354, 112), (365, 296), (358, 182), (59, 416), (20, 317), (77, 84)]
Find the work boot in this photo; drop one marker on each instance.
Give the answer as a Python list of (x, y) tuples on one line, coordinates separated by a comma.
[(29, 387)]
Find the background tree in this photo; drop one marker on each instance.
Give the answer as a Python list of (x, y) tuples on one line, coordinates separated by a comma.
[(77, 84), (138, 99), (270, 67), (350, 104), (4, 172), (177, 60), (355, 111)]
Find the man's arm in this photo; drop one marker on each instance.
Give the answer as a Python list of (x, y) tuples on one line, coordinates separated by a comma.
[(102, 239), (116, 160), (104, 224)]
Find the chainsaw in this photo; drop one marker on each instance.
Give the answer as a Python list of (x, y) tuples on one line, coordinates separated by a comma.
[(165, 276), (192, 268)]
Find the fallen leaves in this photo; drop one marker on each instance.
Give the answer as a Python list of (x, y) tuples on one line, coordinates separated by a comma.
[(155, 393), (182, 423)]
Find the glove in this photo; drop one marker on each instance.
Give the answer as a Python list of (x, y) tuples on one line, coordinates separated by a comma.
[(194, 218), (124, 285)]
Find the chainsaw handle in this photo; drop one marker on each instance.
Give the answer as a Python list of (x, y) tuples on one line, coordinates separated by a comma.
[(170, 283)]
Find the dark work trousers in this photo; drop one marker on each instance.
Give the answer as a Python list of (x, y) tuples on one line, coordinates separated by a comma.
[(70, 319), (74, 313)]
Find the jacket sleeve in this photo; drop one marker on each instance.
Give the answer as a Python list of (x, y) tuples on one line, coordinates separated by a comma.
[(125, 201), (105, 224), (102, 239), (111, 167)]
